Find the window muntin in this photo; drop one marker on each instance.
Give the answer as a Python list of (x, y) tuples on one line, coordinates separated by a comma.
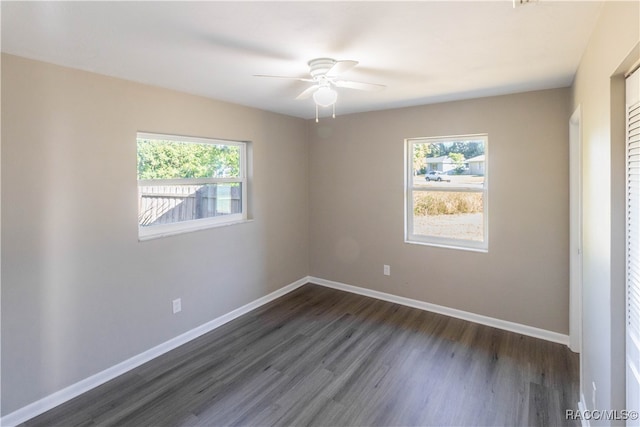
[(187, 183), (446, 191)]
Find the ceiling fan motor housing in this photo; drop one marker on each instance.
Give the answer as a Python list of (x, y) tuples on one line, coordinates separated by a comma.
[(320, 67)]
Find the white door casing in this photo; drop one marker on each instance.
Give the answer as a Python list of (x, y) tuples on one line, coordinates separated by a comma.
[(575, 231)]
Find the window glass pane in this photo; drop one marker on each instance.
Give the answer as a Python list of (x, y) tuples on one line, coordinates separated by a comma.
[(449, 214), (166, 204), (448, 163), (165, 159)]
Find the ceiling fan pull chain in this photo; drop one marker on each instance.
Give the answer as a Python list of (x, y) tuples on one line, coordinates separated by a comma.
[(334, 110), (316, 113)]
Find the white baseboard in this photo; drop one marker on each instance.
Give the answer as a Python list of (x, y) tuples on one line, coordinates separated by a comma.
[(36, 408), (464, 315), (49, 402)]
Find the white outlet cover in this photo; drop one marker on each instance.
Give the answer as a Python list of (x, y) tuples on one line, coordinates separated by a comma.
[(177, 305)]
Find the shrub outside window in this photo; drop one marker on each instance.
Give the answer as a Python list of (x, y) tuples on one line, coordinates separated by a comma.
[(446, 191), (188, 183)]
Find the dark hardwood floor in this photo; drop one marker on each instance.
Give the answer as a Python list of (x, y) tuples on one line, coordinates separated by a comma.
[(319, 356)]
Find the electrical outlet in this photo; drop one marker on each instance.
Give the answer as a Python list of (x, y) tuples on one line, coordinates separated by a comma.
[(387, 270), (177, 305)]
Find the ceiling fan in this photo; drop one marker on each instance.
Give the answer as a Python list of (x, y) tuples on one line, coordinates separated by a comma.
[(324, 74)]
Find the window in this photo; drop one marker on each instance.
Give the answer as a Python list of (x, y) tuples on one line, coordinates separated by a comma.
[(187, 184), (446, 191)]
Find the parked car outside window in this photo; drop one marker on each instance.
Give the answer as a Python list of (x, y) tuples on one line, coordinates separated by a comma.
[(434, 176)]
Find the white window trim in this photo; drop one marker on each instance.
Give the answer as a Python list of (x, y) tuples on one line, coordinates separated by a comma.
[(165, 230), (461, 244)]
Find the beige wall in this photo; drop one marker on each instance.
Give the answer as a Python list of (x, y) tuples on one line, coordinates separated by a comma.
[(79, 292), (357, 222), (599, 89)]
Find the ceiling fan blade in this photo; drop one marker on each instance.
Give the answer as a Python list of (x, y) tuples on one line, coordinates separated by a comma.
[(308, 92), (358, 85), (300, 79), (341, 67)]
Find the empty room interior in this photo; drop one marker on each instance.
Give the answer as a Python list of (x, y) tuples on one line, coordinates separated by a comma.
[(320, 213)]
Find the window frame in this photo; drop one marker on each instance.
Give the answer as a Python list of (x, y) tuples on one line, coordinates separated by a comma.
[(444, 242), (163, 230)]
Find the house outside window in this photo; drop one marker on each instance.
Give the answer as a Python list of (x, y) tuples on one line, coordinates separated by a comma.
[(188, 183), (476, 165), (447, 205)]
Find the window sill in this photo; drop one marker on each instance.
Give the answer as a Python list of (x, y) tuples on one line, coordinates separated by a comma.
[(149, 235), (448, 246)]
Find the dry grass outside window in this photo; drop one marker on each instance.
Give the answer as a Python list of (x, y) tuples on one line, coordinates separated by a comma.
[(446, 203)]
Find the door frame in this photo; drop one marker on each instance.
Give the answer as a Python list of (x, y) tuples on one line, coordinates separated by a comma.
[(575, 231)]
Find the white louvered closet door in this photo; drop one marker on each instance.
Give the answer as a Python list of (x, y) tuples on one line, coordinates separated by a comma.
[(633, 240)]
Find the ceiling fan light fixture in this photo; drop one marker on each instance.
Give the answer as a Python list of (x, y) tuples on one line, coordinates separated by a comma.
[(325, 96)]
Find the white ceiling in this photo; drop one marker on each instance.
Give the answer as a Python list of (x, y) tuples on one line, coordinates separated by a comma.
[(424, 52)]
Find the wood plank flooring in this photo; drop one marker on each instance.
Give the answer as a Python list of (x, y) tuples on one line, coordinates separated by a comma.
[(319, 356)]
